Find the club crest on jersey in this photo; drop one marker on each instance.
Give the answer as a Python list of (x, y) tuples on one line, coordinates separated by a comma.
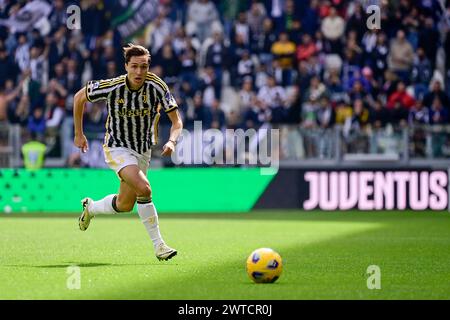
[(144, 98)]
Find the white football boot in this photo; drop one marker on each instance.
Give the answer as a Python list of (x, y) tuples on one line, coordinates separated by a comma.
[(164, 252), (85, 218)]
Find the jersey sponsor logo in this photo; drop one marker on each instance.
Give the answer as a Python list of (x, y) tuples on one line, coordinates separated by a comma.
[(95, 85), (134, 113)]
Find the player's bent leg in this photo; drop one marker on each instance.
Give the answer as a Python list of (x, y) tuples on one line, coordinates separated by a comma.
[(126, 198), (137, 180), (92, 208), (111, 204)]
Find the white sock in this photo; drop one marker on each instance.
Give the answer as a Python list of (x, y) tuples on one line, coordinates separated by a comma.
[(149, 218), (103, 206)]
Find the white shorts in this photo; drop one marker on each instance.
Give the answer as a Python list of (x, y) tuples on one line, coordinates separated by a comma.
[(118, 158)]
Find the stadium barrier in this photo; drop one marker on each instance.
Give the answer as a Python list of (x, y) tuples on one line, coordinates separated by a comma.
[(358, 188), (227, 190), (175, 190)]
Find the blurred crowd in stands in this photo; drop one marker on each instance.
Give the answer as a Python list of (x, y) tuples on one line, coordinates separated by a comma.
[(238, 64)]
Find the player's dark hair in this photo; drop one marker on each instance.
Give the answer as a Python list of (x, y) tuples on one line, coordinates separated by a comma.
[(135, 50)]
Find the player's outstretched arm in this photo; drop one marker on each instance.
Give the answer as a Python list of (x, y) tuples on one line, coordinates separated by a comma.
[(79, 139), (175, 132)]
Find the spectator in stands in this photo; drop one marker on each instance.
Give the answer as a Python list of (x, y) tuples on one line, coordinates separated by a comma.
[(354, 130), (210, 86), (202, 19), (438, 114), (78, 53), (356, 19), (237, 50), (326, 116), (255, 19), (94, 118), (421, 73), (401, 96), (199, 113), (242, 28), (294, 106), (60, 75), (360, 116), (333, 27), (291, 21), (379, 57), (272, 95), (316, 90), (217, 116), (419, 114), (58, 48), (58, 16), (179, 40), (8, 68), (429, 39), (217, 56), (265, 42), (8, 99), (188, 65), (162, 29), (22, 55), (245, 68), (283, 52), (36, 123), (401, 56), (436, 91), (246, 94), (352, 46), (56, 88), (257, 115), (369, 44), (399, 115), (306, 48), (310, 20), (335, 88), (38, 66), (74, 77), (379, 115), (54, 114), (447, 58), (343, 111), (309, 113), (170, 64)]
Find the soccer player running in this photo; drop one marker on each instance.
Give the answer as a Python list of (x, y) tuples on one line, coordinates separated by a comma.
[(133, 102)]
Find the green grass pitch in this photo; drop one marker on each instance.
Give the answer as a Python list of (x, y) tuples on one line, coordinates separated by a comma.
[(325, 256)]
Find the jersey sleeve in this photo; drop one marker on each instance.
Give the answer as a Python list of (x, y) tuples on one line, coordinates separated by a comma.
[(169, 103), (97, 90), (166, 99)]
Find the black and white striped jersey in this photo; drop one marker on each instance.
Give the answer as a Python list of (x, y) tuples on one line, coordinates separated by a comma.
[(133, 115)]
